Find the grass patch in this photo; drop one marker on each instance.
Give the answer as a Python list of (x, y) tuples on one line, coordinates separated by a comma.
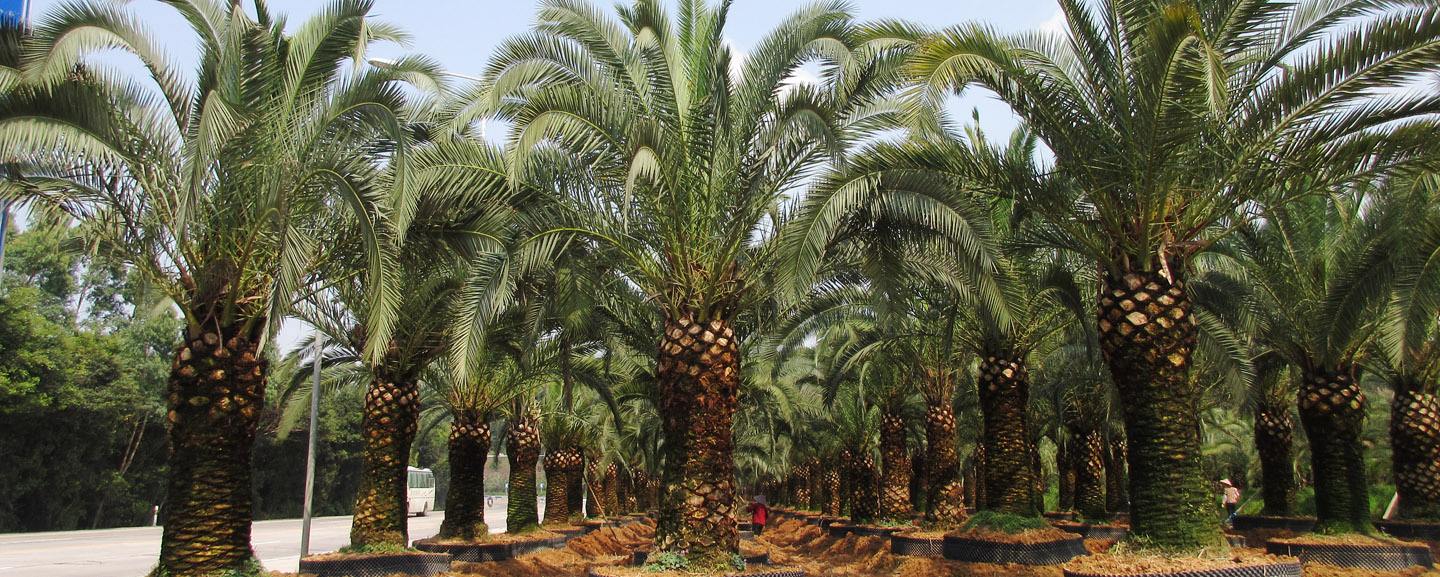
[(667, 561), (375, 548), (1004, 522)]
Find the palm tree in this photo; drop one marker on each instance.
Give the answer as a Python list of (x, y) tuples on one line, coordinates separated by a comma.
[(1407, 353), (219, 190), (1075, 376), (686, 155), (1163, 118), (1321, 268)]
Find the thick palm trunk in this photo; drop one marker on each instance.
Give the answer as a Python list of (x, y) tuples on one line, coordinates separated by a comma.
[(947, 500), (469, 446), (1415, 439), (1117, 482), (612, 490), (215, 393), (1090, 474), (895, 469), (864, 489), (522, 446), (832, 493), (1147, 335), (1332, 410), (977, 468), (699, 377), (1005, 401), (919, 482), (1274, 441), (802, 486), (392, 413), (1065, 470), (595, 488), (847, 481), (561, 466)]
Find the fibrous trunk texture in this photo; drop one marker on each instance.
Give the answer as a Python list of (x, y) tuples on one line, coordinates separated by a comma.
[(977, 466), (469, 447), (1332, 410), (1005, 404), (522, 447), (612, 490), (392, 413), (864, 488), (1275, 441), (699, 378), (847, 481), (802, 486), (895, 469), (919, 482), (595, 488), (1415, 439), (1065, 470), (832, 492), (947, 500), (1117, 483), (1090, 474), (1147, 335), (215, 393), (560, 466)]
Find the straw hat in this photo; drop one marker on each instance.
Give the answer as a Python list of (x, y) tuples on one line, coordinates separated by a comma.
[(1226, 482)]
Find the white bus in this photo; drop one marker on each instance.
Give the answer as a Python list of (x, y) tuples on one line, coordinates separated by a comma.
[(419, 491)]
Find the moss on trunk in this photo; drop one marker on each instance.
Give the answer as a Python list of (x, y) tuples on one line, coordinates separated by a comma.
[(895, 469), (1005, 404), (469, 447), (1274, 441), (1415, 439), (522, 442), (392, 413)]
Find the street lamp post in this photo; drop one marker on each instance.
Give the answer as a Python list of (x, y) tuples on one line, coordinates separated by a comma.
[(310, 452)]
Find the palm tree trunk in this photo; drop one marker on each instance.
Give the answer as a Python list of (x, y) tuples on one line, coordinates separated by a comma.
[(560, 466), (1147, 335), (832, 493), (595, 488), (612, 490), (1415, 438), (1090, 474), (469, 446), (847, 481), (920, 482), (977, 474), (575, 491), (895, 471), (392, 412), (216, 391), (522, 446), (1332, 410), (699, 378), (802, 486), (947, 500), (1117, 498), (1065, 470), (864, 485), (1274, 441), (1005, 404)]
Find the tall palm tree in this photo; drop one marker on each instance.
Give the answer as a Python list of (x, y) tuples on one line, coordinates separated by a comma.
[(1322, 268), (1164, 117), (220, 189), (687, 155), (1408, 352)]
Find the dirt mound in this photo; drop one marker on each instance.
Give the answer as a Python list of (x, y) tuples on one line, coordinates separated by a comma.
[(606, 546)]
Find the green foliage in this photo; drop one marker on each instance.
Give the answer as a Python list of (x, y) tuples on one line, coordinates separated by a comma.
[(375, 548), (669, 561), (1004, 522)]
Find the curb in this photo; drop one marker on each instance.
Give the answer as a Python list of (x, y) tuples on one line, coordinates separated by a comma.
[(419, 564), (982, 551), (1382, 557)]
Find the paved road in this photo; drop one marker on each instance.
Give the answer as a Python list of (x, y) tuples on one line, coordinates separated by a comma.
[(131, 552)]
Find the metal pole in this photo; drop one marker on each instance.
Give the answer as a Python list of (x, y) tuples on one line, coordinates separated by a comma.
[(4, 228), (310, 452)]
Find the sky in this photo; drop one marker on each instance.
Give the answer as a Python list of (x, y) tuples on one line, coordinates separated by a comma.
[(462, 34)]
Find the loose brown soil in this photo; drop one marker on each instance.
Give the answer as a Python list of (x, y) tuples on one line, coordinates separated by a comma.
[(644, 572), (1026, 537), (1347, 539), (1134, 563), (606, 546)]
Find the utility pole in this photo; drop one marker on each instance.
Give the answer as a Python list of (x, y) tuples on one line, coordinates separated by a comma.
[(310, 452)]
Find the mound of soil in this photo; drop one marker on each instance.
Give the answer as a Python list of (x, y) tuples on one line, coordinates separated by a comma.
[(1134, 563), (499, 538), (606, 546), (1346, 539)]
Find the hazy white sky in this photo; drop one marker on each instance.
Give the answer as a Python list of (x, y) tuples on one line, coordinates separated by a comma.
[(462, 34)]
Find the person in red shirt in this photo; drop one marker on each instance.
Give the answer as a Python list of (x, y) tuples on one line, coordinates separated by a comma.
[(759, 513)]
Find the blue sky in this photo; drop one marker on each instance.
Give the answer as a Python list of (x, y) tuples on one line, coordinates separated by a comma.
[(462, 35)]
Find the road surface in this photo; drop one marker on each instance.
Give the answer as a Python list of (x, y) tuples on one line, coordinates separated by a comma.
[(131, 551)]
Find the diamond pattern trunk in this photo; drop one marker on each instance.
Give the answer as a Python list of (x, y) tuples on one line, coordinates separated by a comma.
[(595, 487), (895, 471), (215, 393), (612, 490), (1275, 441), (1332, 410), (832, 492), (522, 447), (561, 466), (469, 446), (1005, 403), (1117, 498), (1415, 438), (392, 413), (699, 379), (802, 486), (629, 503), (947, 500), (1090, 474), (864, 489), (1147, 335)]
